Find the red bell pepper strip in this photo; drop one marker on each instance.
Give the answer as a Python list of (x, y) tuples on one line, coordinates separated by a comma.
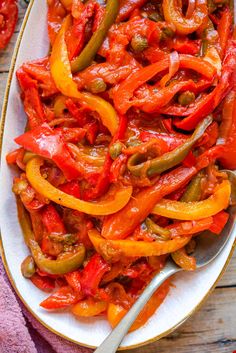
[(92, 131), (172, 140), (127, 7), (179, 229), (71, 134), (56, 14), (48, 143), (74, 279), (210, 156), (8, 20), (32, 103), (39, 70), (52, 221), (92, 274), (120, 134), (62, 298), (103, 181), (46, 284), (116, 166), (125, 91), (71, 188), (219, 222), (228, 131), (53, 225), (224, 29), (12, 157), (76, 35), (215, 97), (152, 99), (124, 222), (186, 46)]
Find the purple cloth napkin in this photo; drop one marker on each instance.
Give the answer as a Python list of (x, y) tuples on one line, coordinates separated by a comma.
[(20, 332)]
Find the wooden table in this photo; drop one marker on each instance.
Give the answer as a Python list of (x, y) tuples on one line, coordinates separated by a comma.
[(210, 330)]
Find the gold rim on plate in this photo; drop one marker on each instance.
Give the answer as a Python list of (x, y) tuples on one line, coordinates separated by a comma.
[(2, 253)]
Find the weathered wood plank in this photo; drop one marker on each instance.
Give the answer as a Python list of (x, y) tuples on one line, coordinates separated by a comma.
[(213, 329)]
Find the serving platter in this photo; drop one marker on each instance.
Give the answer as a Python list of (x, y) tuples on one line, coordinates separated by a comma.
[(189, 290)]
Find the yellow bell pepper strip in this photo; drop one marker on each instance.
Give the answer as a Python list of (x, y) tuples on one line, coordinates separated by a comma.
[(62, 76), (133, 248), (181, 258), (170, 159), (90, 50), (101, 208), (173, 14), (89, 307), (217, 202), (70, 262)]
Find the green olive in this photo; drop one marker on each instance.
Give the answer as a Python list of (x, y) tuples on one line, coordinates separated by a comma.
[(186, 98), (96, 86), (139, 43), (167, 33), (28, 267), (115, 149)]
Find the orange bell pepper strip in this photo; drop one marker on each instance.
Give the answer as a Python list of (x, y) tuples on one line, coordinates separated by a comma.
[(124, 222), (116, 312), (67, 4), (131, 248), (43, 187), (61, 73), (89, 307), (217, 202), (173, 14)]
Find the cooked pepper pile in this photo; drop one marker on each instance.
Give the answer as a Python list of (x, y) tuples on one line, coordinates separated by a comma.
[(130, 121)]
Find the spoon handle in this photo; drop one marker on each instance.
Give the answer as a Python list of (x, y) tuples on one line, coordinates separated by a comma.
[(112, 342)]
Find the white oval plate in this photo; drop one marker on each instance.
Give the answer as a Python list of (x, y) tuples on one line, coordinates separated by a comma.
[(190, 288)]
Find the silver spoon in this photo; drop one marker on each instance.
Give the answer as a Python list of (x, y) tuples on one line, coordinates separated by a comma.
[(208, 248)]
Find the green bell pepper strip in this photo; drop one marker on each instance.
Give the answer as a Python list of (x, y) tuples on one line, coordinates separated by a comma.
[(168, 160), (53, 267), (165, 234), (193, 191), (59, 266), (90, 50)]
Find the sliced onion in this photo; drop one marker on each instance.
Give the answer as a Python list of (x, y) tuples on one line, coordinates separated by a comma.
[(173, 68), (191, 8)]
